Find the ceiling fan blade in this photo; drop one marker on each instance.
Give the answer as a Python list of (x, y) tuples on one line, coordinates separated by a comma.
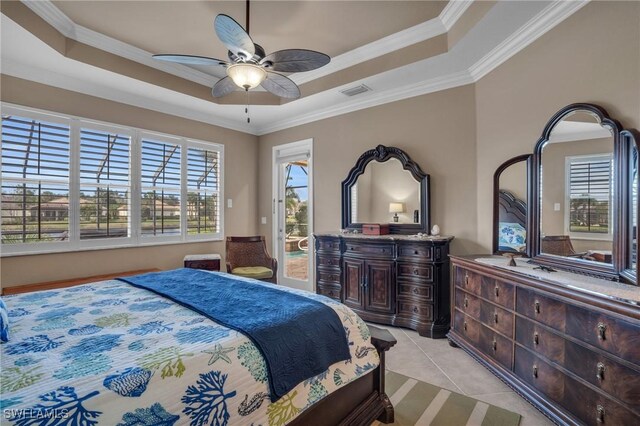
[(234, 37), (190, 59), (296, 60), (281, 86), (223, 87)]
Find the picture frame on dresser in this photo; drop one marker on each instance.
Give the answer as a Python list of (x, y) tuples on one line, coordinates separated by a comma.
[(563, 329)]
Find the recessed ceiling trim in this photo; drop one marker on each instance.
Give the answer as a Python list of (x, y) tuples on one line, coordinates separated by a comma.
[(539, 25), (421, 32), (57, 19)]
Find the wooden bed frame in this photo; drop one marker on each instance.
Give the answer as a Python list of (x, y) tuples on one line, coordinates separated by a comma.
[(511, 209), (362, 401)]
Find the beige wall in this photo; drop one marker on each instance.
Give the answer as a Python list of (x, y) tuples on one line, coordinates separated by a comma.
[(593, 56), (240, 184), (436, 130)]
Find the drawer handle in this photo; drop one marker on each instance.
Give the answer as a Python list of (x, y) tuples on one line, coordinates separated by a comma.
[(415, 309), (466, 302), (464, 326), (466, 278), (602, 329), (535, 371), (416, 291), (536, 307), (494, 345), (495, 317), (497, 291), (600, 414), (536, 338), (416, 252), (600, 371), (415, 271)]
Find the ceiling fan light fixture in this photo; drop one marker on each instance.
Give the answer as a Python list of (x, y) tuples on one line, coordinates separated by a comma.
[(247, 76)]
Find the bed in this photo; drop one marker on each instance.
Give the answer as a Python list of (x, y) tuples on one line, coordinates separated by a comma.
[(512, 216), (113, 353)]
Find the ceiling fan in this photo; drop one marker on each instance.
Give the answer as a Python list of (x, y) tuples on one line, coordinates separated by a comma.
[(248, 65)]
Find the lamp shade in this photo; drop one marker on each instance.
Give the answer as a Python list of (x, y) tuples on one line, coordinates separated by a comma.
[(246, 76), (396, 208)]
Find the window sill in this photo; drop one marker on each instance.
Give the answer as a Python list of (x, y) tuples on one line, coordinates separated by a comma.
[(109, 247)]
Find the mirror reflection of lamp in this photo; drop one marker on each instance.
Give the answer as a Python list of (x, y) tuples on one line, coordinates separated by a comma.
[(396, 208)]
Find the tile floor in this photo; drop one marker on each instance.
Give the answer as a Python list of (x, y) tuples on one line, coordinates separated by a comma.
[(435, 362)]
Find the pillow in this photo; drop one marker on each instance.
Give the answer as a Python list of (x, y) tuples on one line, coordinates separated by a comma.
[(4, 322), (512, 237)]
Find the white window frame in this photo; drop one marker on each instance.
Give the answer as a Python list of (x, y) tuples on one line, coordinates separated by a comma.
[(135, 239), (567, 199)]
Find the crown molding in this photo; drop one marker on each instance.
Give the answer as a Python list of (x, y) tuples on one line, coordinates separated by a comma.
[(421, 32), (373, 99), (539, 25), (57, 19), (453, 11)]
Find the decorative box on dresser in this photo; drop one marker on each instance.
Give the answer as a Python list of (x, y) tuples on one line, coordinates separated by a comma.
[(399, 280), (568, 343)]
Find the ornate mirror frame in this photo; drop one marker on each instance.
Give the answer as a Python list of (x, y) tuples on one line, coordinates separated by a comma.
[(517, 207), (623, 141), (381, 154)]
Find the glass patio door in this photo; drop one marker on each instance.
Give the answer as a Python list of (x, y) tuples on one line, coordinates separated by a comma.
[(293, 215)]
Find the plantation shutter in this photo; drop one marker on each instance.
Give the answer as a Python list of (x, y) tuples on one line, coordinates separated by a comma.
[(590, 194), (160, 183), (104, 184), (203, 191), (35, 180)]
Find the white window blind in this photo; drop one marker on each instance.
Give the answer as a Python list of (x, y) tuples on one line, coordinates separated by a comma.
[(161, 188), (590, 194), (105, 184), (35, 180), (203, 191)]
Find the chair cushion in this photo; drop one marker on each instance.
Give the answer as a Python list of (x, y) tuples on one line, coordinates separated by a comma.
[(257, 272)]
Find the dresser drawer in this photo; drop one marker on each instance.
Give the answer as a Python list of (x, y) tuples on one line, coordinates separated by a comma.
[(613, 335), (541, 341), (498, 292), (416, 251), (410, 308), (329, 291), (423, 291), (466, 326), (467, 303), (496, 346), (423, 273), (470, 281), (540, 375), (595, 409), (329, 262), (329, 245), (329, 276), (353, 248), (540, 308), (497, 318)]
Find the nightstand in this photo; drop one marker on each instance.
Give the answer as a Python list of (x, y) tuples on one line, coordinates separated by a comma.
[(210, 262)]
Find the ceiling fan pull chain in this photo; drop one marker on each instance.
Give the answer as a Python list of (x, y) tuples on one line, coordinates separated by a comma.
[(246, 108)]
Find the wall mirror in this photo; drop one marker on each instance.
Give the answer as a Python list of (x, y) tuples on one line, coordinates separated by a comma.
[(387, 187), (510, 209), (583, 194)]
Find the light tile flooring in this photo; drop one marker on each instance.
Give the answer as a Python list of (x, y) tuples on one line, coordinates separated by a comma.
[(435, 362)]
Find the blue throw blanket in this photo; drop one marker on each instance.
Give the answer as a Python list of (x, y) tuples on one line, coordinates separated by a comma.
[(298, 337)]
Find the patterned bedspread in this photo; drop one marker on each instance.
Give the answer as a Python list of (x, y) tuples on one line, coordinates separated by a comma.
[(110, 353)]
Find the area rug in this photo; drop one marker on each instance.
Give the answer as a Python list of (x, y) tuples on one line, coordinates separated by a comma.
[(419, 403)]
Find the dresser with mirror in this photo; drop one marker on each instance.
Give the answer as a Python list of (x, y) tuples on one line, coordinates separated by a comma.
[(555, 312), (401, 276)]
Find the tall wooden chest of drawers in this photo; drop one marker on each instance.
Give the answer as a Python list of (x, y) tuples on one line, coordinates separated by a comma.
[(389, 279), (575, 355)]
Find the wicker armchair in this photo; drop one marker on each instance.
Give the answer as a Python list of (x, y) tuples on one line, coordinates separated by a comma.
[(248, 257), (560, 245)]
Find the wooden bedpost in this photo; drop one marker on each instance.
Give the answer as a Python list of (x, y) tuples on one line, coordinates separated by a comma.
[(382, 340)]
